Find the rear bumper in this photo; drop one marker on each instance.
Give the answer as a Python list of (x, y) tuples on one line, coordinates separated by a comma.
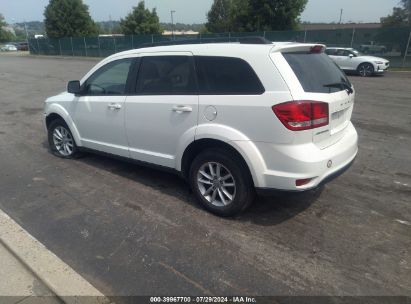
[(329, 178), (284, 164)]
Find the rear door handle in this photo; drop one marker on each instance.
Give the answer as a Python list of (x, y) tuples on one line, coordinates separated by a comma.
[(114, 106), (181, 109)]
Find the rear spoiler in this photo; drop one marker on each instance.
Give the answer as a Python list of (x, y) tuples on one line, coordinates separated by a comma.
[(299, 48)]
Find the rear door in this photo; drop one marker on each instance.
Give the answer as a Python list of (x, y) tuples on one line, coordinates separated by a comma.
[(164, 108), (315, 77)]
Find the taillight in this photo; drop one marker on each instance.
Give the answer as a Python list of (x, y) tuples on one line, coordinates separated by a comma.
[(317, 49), (302, 114)]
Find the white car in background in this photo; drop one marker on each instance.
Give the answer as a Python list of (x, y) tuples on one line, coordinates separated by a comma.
[(8, 48), (351, 60)]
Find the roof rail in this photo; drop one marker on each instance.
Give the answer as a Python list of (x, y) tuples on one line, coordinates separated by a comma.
[(254, 40), (241, 40)]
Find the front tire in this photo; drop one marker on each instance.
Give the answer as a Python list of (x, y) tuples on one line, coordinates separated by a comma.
[(61, 140), (221, 182), (365, 69)]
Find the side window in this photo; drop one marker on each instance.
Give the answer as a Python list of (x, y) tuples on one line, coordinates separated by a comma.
[(110, 79), (227, 76), (347, 53), (330, 52), (341, 53), (166, 75)]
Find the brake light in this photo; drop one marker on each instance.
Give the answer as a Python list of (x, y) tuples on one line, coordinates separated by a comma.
[(302, 114), (317, 49)]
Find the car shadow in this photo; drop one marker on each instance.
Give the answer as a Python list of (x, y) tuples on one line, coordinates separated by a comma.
[(266, 211), (281, 206)]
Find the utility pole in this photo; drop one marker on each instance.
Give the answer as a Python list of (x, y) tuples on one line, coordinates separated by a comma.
[(172, 23), (341, 13), (27, 34)]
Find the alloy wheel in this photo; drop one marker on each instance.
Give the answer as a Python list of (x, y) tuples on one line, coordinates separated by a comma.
[(63, 141), (366, 70), (216, 184)]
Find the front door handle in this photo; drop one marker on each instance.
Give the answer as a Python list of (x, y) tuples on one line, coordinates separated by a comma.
[(181, 109), (114, 106)]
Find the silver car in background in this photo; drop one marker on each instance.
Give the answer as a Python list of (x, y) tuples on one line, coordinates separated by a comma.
[(351, 60)]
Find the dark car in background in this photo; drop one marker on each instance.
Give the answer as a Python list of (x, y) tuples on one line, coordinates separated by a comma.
[(22, 46)]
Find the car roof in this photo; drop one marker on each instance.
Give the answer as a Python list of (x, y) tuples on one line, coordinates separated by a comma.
[(219, 49), (230, 49)]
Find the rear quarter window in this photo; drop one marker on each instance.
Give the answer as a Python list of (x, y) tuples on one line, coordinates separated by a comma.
[(316, 71), (226, 76)]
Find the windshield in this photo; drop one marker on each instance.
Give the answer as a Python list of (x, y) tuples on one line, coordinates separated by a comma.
[(316, 72)]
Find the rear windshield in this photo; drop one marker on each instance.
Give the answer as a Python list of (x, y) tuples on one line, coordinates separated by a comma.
[(317, 73)]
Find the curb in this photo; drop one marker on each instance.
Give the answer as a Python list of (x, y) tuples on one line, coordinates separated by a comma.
[(59, 277)]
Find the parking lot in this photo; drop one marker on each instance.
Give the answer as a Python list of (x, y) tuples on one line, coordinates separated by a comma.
[(131, 230)]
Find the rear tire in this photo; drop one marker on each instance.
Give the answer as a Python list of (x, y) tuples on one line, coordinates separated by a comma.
[(61, 140), (365, 69), (221, 182)]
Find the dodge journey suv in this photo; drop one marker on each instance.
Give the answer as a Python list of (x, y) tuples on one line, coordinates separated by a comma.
[(232, 119)]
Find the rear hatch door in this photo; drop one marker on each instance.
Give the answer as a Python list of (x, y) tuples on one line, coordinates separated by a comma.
[(312, 75)]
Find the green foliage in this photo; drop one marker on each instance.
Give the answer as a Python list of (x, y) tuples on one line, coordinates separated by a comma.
[(254, 15), (4, 34), (267, 15), (68, 18), (219, 16), (141, 21), (401, 16), (2, 21)]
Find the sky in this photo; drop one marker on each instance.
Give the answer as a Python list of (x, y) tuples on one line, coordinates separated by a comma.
[(194, 11)]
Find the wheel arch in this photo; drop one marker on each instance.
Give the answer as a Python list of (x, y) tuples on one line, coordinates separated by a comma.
[(364, 62), (194, 148), (54, 112)]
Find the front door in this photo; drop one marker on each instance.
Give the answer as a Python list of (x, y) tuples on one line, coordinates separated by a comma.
[(99, 112), (342, 59), (163, 111)]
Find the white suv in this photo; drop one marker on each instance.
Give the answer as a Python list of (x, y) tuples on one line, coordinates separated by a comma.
[(230, 118), (351, 60)]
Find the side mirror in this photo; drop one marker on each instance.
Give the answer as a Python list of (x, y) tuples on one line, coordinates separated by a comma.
[(73, 87), (351, 55)]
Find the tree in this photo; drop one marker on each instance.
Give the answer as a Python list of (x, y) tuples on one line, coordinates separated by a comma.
[(68, 18), (255, 15), (268, 15), (219, 16), (400, 19), (141, 21), (401, 16), (5, 35)]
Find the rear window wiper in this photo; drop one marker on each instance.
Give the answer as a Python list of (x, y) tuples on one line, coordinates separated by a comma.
[(342, 85)]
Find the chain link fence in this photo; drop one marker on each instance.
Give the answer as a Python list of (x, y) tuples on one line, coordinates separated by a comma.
[(390, 43)]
